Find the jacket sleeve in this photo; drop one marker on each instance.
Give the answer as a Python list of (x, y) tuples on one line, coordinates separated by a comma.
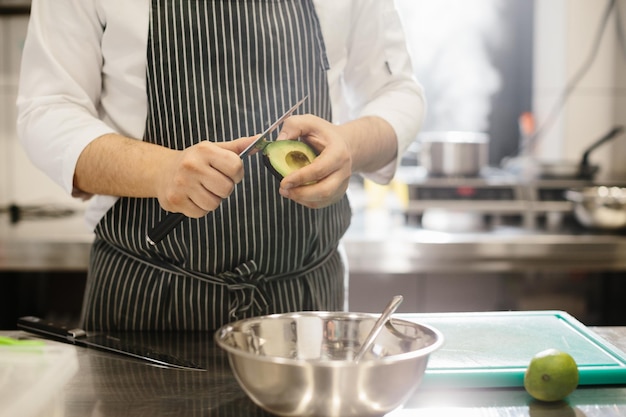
[(60, 86), (376, 74)]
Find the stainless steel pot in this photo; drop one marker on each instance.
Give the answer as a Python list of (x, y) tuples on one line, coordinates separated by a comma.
[(582, 169), (454, 153), (600, 207)]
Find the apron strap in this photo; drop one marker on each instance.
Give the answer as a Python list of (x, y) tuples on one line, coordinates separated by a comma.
[(245, 283)]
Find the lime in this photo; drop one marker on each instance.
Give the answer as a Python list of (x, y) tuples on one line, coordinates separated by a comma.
[(551, 375)]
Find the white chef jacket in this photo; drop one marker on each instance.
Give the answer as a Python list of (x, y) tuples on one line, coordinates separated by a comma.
[(84, 75)]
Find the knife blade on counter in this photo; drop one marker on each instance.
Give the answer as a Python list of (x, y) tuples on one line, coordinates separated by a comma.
[(104, 342), (171, 220)]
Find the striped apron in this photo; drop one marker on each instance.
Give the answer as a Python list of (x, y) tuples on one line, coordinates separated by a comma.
[(218, 70)]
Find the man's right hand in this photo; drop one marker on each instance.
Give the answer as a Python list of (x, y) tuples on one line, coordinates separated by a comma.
[(192, 181), (196, 180)]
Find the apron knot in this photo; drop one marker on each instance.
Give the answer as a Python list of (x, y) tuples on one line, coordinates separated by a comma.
[(245, 286)]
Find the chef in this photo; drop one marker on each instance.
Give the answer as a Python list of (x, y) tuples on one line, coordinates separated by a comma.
[(142, 107)]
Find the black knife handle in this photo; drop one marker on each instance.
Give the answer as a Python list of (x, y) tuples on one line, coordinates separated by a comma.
[(47, 328), (165, 226)]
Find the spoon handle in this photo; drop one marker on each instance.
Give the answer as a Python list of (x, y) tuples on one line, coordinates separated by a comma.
[(387, 312)]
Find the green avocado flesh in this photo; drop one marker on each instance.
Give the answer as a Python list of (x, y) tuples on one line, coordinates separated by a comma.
[(286, 156)]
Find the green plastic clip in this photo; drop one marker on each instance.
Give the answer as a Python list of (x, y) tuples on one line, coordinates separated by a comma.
[(11, 341)]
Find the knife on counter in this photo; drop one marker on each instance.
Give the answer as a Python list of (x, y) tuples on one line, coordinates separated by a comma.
[(171, 220), (109, 343)]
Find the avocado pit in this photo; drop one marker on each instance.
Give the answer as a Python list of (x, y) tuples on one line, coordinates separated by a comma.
[(296, 160)]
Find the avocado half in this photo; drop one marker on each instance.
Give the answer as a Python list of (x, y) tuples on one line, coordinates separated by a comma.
[(283, 157)]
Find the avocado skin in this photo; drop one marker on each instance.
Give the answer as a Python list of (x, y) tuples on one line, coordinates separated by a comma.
[(274, 154), (271, 169)]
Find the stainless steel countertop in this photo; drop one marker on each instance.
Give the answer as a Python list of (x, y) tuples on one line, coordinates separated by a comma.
[(375, 244), (108, 385)]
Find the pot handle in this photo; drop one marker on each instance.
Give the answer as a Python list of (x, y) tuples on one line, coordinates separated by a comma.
[(584, 163)]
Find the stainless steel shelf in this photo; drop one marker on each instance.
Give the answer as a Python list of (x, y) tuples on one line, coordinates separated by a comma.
[(490, 206)]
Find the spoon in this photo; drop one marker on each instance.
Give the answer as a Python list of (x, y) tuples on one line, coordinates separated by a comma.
[(387, 312)]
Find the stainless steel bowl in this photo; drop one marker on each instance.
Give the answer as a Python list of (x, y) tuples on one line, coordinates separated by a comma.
[(600, 207), (300, 364)]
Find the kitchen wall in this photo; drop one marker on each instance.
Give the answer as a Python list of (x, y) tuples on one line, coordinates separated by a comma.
[(619, 101), (20, 182), (565, 33)]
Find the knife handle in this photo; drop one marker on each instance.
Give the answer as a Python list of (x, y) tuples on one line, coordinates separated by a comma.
[(47, 328), (162, 228)]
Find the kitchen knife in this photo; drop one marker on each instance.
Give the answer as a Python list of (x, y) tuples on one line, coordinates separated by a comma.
[(171, 220), (104, 342), (261, 141)]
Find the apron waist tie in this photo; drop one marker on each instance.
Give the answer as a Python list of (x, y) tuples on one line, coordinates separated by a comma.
[(245, 283)]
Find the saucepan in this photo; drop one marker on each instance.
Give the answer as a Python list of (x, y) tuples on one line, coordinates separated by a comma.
[(600, 207), (454, 153), (583, 169)]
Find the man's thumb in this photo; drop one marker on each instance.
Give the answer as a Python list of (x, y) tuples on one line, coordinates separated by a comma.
[(238, 145)]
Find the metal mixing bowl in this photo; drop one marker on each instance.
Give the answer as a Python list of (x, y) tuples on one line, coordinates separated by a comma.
[(300, 364), (600, 207)]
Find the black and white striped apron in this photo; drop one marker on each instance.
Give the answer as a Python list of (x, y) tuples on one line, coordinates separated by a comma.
[(219, 70)]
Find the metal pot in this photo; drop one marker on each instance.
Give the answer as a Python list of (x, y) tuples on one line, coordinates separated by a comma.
[(583, 169), (559, 169), (454, 153), (600, 207)]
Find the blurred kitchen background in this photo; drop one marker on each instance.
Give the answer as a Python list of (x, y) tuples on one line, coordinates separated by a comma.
[(539, 81)]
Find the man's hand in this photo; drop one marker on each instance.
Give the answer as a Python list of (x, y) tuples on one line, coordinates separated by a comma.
[(196, 180), (324, 181), (193, 181), (362, 145)]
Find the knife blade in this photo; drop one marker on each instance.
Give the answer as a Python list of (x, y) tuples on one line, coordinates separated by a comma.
[(104, 342), (261, 141), (171, 220)]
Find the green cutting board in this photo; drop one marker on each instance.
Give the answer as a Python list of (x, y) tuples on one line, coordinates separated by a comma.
[(493, 349)]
